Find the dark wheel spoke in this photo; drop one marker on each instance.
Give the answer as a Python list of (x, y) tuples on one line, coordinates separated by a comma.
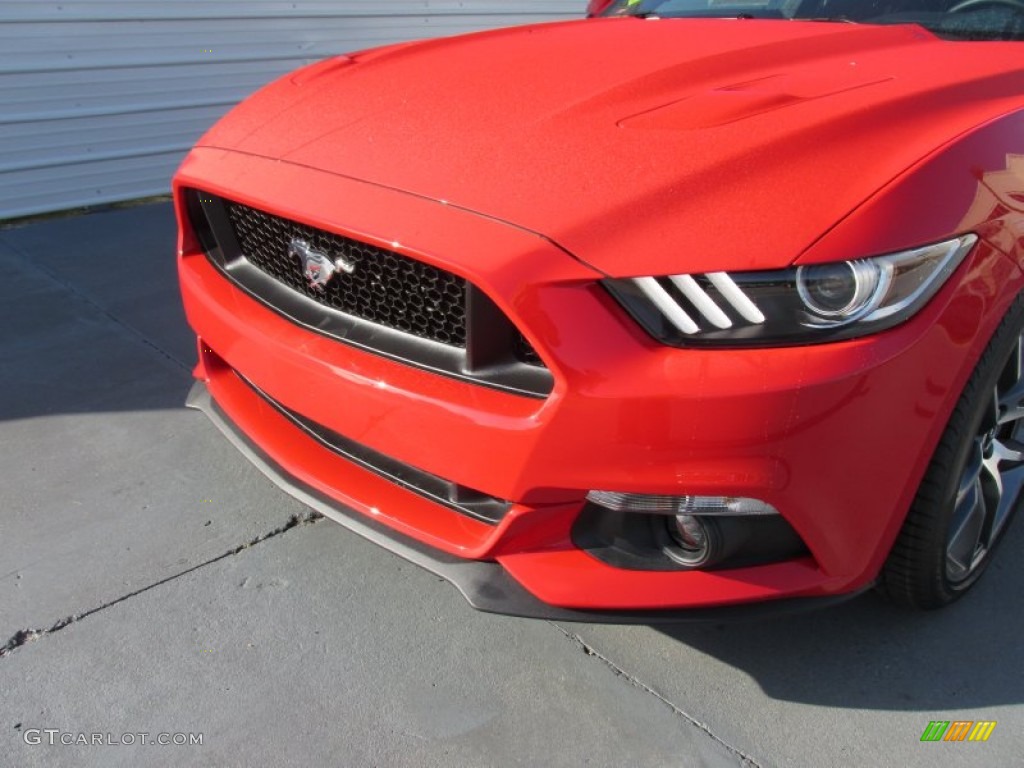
[(969, 519), (1011, 404), (991, 478), (1009, 453), (969, 478), (1013, 483)]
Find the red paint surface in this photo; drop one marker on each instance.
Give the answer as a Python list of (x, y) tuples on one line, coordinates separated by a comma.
[(632, 148)]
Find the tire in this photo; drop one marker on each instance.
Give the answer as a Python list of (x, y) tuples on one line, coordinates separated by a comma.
[(973, 485)]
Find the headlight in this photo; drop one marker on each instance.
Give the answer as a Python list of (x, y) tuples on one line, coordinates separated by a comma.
[(798, 305)]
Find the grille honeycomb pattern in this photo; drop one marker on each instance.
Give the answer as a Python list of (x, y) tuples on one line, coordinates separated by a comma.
[(524, 351), (385, 288)]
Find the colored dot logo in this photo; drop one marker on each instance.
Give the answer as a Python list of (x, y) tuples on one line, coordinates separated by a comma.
[(958, 730)]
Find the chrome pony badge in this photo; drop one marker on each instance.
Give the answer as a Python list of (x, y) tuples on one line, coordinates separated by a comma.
[(317, 268)]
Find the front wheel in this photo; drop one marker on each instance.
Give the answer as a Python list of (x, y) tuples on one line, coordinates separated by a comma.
[(972, 487)]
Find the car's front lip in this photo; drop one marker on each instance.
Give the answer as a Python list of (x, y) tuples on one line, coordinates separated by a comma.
[(808, 430)]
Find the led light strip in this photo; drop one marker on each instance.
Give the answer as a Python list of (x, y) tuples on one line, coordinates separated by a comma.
[(700, 299), (689, 288), (737, 298), (662, 300)]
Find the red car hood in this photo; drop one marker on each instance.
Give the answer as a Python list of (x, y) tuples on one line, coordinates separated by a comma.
[(642, 147)]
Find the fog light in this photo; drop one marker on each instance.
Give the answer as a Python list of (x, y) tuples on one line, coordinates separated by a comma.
[(693, 541), (680, 505)]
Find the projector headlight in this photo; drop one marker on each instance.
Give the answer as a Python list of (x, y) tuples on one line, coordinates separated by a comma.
[(797, 305)]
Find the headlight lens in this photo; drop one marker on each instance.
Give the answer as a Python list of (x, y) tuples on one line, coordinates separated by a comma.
[(841, 291), (798, 305)]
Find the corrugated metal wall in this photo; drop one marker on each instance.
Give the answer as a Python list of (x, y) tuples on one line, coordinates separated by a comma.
[(100, 100)]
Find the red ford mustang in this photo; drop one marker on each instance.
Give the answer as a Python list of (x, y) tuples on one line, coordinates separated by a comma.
[(696, 304)]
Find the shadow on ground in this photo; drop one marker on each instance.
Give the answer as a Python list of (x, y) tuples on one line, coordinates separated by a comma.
[(868, 654), (91, 320)]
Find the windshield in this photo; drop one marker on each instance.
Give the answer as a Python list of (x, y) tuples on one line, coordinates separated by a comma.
[(949, 19)]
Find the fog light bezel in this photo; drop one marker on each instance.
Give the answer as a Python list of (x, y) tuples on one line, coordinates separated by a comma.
[(642, 541)]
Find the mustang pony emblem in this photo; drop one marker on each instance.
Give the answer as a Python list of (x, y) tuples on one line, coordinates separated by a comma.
[(317, 267)]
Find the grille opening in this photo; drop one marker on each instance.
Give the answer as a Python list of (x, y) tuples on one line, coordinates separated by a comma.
[(384, 287), (382, 301), (200, 224)]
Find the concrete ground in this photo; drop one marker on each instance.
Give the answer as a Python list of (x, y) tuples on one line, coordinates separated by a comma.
[(151, 581)]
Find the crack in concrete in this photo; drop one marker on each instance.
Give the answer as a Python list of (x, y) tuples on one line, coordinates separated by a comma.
[(27, 261), (744, 758), (23, 637)]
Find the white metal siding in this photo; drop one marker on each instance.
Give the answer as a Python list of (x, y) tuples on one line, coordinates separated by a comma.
[(100, 100)]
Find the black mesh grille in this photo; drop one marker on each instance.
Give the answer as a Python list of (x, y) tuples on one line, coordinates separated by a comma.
[(385, 287), (524, 351)]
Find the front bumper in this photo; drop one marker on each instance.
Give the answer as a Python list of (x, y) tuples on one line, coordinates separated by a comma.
[(836, 437), (485, 584)]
